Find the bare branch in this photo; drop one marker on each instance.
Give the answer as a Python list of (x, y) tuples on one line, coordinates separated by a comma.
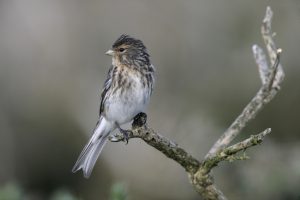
[(161, 143), (262, 63), (274, 70), (200, 172), (224, 154), (203, 181), (266, 93), (273, 52)]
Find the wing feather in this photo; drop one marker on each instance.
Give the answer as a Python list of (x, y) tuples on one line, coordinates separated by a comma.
[(106, 87)]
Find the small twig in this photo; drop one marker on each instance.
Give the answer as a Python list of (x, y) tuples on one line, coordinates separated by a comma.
[(275, 68), (273, 52), (261, 62), (253, 140)]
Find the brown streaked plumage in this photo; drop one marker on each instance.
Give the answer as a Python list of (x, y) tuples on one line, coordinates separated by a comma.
[(125, 94)]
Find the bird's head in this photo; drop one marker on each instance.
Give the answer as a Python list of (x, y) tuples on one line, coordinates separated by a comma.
[(127, 50)]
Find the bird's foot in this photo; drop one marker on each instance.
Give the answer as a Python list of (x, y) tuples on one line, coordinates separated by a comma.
[(125, 134)]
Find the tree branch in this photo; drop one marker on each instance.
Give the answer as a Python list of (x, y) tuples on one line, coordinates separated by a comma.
[(202, 180), (266, 93), (227, 153), (200, 172), (161, 143)]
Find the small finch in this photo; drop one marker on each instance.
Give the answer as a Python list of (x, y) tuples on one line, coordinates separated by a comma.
[(125, 94)]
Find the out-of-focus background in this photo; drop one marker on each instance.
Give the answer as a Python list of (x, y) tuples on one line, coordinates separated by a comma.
[(52, 67)]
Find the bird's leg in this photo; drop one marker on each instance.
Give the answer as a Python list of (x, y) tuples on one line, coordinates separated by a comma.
[(138, 121), (124, 132)]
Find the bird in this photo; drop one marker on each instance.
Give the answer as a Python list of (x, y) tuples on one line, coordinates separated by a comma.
[(125, 94)]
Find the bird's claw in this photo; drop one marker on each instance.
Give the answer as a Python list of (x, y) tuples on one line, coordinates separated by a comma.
[(125, 135)]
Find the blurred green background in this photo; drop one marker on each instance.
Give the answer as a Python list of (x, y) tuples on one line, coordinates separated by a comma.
[(52, 67)]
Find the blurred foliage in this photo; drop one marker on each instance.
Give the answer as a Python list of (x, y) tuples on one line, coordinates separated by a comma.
[(11, 191), (118, 192), (63, 195)]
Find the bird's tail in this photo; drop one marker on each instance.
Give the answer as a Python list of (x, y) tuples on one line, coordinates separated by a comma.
[(90, 153)]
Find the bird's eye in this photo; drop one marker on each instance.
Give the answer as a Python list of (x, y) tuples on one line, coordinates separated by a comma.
[(121, 49)]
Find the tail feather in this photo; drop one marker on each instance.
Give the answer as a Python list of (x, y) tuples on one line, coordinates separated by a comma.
[(90, 153), (91, 159)]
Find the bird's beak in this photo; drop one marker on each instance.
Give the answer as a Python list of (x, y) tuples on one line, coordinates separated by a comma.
[(110, 52)]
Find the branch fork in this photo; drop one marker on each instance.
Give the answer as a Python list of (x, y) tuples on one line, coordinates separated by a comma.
[(271, 75)]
